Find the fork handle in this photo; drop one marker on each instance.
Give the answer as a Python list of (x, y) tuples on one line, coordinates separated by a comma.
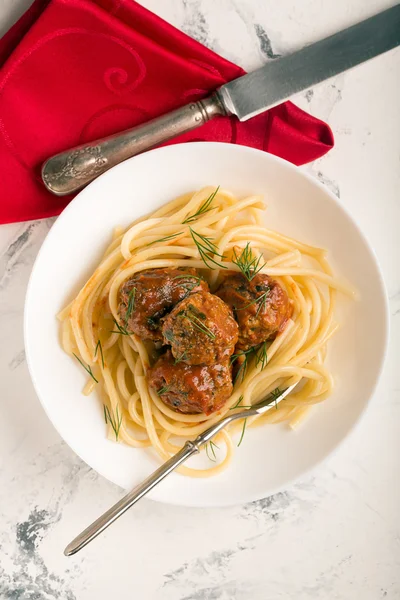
[(130, 499), (71, 170), (190, 448)]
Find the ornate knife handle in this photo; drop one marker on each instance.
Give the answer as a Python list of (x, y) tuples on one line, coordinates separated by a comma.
[(71, 170)]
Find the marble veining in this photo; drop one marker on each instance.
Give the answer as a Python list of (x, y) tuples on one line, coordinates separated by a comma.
[(11, 257), (332, 185), (265, 42), (17, 360), (195, 23), (335, 535)]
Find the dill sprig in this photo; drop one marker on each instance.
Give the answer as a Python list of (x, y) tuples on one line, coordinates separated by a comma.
[(204, 208), (164, 389), (181, 357), (165, 239), (206, 246), (121, 330), (276, 394), (243, 366), (261, 356), (241, 371), (131, 305), (247, 262), (198, 324), (87, 368), (260, 352), (242, 435), (99, 347), (169, 336), (239, 405), (114, 422), (197, 282), (261, 301), (210, 446)]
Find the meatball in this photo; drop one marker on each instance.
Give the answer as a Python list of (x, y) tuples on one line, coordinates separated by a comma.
[(201, 330), (261, 307), (191, 389), (149, 295)]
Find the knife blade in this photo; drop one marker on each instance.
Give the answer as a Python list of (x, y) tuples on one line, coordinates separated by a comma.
[(280, 79), (244, 97)]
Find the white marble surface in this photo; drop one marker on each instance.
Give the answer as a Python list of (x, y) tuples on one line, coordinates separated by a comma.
[(335, 535)]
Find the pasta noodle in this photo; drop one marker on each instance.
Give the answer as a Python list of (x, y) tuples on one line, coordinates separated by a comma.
[(117, 361)]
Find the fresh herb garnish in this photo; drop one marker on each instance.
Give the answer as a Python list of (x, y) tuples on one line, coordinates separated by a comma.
[(169, 336), (243, 366), (114, 422), (238, 405), (247, 262), (181, 357), (198, 324), (261, 356), (99, 347), (121, 330), (261, 301), (198, 281), (276, 394), (165, 239), (211, 445), (243, 430), (131, 305), (261, 359), (204, 208), (164, 389), (206, 246), (241, 371), (87, 368)]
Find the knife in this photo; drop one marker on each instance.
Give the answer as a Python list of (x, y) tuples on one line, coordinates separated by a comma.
[(244, 98)]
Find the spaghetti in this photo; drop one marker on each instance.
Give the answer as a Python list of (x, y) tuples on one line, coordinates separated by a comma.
[(117, 361)]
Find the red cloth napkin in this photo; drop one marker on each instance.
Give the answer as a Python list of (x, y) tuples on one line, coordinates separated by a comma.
[(76, 70)]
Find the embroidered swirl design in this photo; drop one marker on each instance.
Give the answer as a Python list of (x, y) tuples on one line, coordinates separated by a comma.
[(94, 127), (116, 79)]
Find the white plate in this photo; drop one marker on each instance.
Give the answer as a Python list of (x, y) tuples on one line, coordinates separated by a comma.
[(270, 457)]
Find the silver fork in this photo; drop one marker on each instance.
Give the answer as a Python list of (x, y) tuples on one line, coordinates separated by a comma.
[(190, 448)]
